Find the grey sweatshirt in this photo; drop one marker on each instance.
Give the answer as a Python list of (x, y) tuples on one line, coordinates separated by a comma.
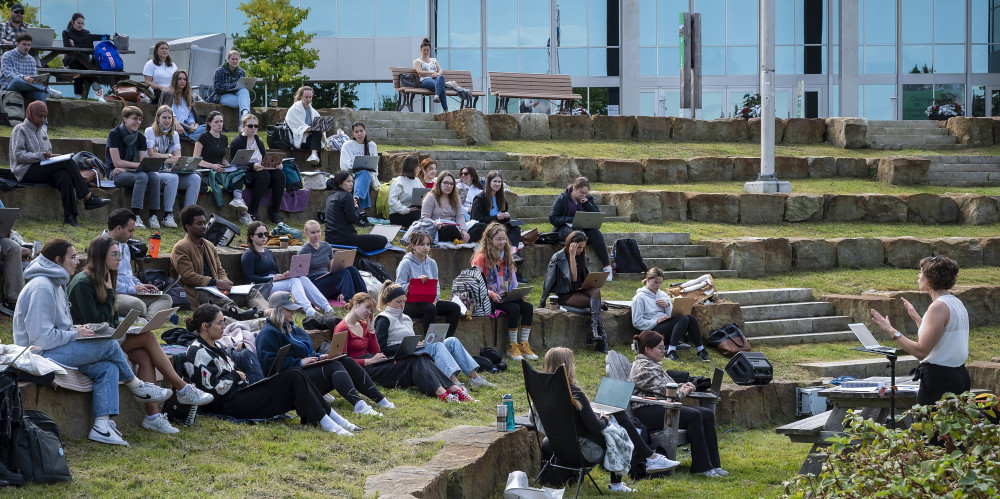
[(410, 267), (42, 316), (645, 311)]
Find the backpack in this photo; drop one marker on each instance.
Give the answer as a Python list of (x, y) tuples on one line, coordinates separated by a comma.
[(293, 176), (107, 56), (37, 449), (627, 258), (470, 287), (279, 136), (374, 268), (11, 107)]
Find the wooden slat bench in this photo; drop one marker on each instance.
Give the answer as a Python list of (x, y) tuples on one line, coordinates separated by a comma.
[(506, 86), (405, 95)]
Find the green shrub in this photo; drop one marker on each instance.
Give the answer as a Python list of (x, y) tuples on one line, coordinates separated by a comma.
[(950, 450)]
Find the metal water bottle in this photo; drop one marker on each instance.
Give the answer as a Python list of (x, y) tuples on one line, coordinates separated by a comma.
[(192, 413), (508, 400), (154, 245)]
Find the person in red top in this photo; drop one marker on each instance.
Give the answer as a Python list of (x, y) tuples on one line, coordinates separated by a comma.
[(495, 258), (414, 370)]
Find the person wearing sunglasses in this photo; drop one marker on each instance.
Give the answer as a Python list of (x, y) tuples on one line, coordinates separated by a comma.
[(259, 267), (258, 179), (14, 25)]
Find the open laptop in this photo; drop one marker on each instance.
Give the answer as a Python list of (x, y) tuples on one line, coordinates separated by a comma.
[(406, 348), (43, 37), (871, 345), (151, 164), (156, 322), (344, 258), (279, 359), (417, 196), (338, 343), (242, 157), (300, 265), (7, 218), (517, 293), (119, 332), (369, 163), (588, 220), (272, 160), (389, 231), (436, 333), (613, 395), (683, 304), (246, 83), (595, 280), (321, 124), (186, 164)]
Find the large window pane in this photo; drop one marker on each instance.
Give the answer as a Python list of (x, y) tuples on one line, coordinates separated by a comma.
[(418, 18), (668, 21), (784, 22), (468, 60), (236, 20), (501, 23), (711, 105), (56, 13), (879, 21), (880, 59), (742, 22), (534, 23), (647, 23), (171, 19), (781, 104), (669, 61), (876, 101), (986, 58), (572, 23), (389, 18), (573, 62), (96, 23), (134, 17), (949, 21), (672, 103), (647, 61), (713, 60), (647, 103), (918, 21), (981, 15), (534, 61), (713, 21), (206, 16), (598, 24), (355, 19), (463, 24), (503, 60), (742, 61), (784, 60), (949, 58), (597, 62), (917, 59)]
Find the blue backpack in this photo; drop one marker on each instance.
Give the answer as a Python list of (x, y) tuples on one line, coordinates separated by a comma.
[(107, 56)]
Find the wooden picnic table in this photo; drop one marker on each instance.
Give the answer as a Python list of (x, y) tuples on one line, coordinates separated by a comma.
[(79, 54)]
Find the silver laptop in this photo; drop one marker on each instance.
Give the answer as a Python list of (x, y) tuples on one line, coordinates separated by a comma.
[(119, 332), (242, 157), (7, 218), (369, 163), (613, 395), (436, 333), (44, 37), (588, 220), (246, 82), (869, 341), (517, 293), (185, 164), (417, 196), (389, 231)]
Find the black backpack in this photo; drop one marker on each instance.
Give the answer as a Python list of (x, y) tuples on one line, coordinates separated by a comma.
[(374, 268), (279, 136), (627, 258), (37, 449)]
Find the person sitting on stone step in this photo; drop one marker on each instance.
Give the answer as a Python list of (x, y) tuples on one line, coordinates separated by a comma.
[(342, 213), (261, 267), (417, 264), (335, 281), (126, 148), (576, 198), (653, 310), (299, 119), (402, 211), (259, 179), (490, 205), (565, 275), (495, 259), (130, 292), (364, 180), (443, 207), (165, 142)]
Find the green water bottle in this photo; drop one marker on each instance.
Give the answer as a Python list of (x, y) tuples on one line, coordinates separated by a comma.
[(508, 400)]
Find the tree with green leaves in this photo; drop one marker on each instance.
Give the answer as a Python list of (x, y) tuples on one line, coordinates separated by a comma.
[(273, 47)]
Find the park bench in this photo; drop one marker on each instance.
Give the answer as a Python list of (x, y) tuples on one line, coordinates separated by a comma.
[(405, 95), (506, 86)]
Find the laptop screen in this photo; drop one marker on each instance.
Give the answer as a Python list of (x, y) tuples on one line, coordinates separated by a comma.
[(614, 392), (864, 335)]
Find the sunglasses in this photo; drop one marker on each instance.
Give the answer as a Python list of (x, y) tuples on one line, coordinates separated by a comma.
[(21, 12), (464, 173), (261, 234), (250, 125)]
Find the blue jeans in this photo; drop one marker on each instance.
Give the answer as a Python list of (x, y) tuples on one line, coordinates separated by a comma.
[(30, 91), (142, 184), (450, 356), (362, 188), (238, 100), (195, 134), (172, 182), (100, 360), (346, 281), (436, 85)]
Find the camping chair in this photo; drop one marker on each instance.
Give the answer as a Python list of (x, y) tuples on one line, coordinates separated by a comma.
[(552, 405)]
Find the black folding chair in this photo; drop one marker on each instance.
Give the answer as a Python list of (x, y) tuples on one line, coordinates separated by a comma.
[(552, 403)]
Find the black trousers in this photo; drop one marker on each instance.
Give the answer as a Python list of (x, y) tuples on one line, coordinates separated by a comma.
[(700, 425), (640, 441), (594, 239), (519, 312), (65, 177), (935, 381), (365, 242), (449, 233), (345, 376), (313, 142), (416, 370), (262, 181), (675, 328), (404, 220), (427, 312), (289, 389)]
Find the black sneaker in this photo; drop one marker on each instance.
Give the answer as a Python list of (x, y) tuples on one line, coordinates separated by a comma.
[(672, 355), (9, 477), (7, 308), (703, 355), (94, 202)]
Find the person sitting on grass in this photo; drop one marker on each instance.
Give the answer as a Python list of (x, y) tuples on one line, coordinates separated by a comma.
[(342, 213), (299, 119), (496, 260), (209, 367), (330, 277), (443, 207), (402, 211), (653, 310), (164, 142), (392, 325), (592, 424), (417, 264), (415, 370), (126, 148), (576, 198), (42, 319), (260, 266), (92, 300), (344, 375), (565, 275)]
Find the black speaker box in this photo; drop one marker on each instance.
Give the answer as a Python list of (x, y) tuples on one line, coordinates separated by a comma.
[(750, 368), (220, 231)]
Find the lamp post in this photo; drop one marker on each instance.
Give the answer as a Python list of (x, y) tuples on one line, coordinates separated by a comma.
[(767, 182)]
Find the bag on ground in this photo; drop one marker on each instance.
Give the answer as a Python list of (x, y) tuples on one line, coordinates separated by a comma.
[(38, 449), (627, 258), (470, 287), (730, 340), (11, 108), (293, 177), (374, 268)]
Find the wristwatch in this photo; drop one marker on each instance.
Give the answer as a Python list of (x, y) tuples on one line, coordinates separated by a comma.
[(897, 335)]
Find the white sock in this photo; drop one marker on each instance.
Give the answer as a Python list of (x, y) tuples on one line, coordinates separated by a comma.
[(183, 390), (327, 424), (154, 416), (525, 331), (671, 348), (513, 335), (134, 383), (701, 347), (340, 420), (237, 193), (103, 419)]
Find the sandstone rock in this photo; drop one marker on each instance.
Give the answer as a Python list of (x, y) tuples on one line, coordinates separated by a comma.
[(653, 128), (673, 206), (620, 171), (985, 375), (930, 209), (905, 252), (757, 406), (822, 167), (804, 207), (73, 412), (973, 132), (761, 208), (553, 170), (753, 257), (710, 169), (746, 169), (982, 303), (996, 130), (533, 126), (754, 125), (852, 167), (884, 208), (964, 250), (872, 165), (804, 130), (991, 251), (503, 127), (717, 314), (271, 115), (86, 114), (343, 117), (786, 167), (813, 254), (974, 209), (665, 171), (711, 207), (844, 208), (568, 127), (858, 308), (859, 252), (727, 130), (641, 206), (469, 123), (903, 170), (847, 133), (589, 167), (614, 127)]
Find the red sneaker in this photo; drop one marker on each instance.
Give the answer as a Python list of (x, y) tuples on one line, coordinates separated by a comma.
[(463, 396)]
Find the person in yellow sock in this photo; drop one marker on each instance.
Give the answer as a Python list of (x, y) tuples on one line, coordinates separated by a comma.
[(525, 347), (495, 259)]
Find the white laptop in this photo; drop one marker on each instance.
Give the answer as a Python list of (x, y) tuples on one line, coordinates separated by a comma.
[(613, 395), (246, 82), (869, 341), (389, 231), (43, 37)]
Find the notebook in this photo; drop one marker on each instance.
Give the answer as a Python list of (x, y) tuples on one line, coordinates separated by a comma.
[(436, 333), (186, 164), (406, 348), (421, 292), (44, 37), (300, 265), (156, 322), (588, 220), (613, 395), (344, 258), (338, 343), (389, 231), (321, 124), (870, 343), (683, 304)]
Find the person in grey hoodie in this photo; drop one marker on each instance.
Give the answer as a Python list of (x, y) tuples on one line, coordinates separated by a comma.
[(652, 310), (417, 264), (42, 319)]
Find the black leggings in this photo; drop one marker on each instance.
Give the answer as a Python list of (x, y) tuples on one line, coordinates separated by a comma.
[(449, 233), (345, 376), (674, 329), (367, 243), (935, 381), (289, 389), (639, 440), (65, 177), (427, 312), (417, 370), (594, 239), (519, 312), (404, 220), (313, 141), (262, 181), (700, 425)]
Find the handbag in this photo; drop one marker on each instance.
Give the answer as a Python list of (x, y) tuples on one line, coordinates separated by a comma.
[(529, 238), (408, 80), (729, 340)]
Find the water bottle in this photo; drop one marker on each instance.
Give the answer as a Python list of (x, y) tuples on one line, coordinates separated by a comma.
[(154, 245), (192, 412), (508, 400)]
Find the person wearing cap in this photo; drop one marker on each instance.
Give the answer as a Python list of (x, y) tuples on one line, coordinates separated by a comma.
[(14, 25), (344, 374)]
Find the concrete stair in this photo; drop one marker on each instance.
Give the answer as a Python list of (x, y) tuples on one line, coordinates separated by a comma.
[(964, 171), (911, 134), (672, 252), (787, 316), (534, 210), (417, 129)]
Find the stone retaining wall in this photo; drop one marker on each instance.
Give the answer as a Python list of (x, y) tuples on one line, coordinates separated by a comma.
[(985, 375), (982, 302)]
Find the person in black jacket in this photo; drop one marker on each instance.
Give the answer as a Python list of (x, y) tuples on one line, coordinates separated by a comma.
[(341, 213), (490, 206), (75, 36), (566, 272), (259, 179), (576, 198)]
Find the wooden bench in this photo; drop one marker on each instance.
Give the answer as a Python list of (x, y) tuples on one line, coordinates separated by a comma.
[(506, 86), (405, 95)]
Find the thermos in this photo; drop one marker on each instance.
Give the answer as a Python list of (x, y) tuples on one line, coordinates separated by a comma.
[(508, 400), (154, 245)]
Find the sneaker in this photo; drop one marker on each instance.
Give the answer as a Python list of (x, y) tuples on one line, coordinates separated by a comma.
[(720, 472), (514, 351), (159, 423), (659, 462), (672, 355), (328, 398), (193, 396), (313, 159), (712, 474), (448, 397), (7, 308), (385, 404), (526, 351), (437, 98), (703, 355), (362, 408), (138, 223), (154, 223), (53, 93), (103, 432), (238, 202), (620, 488), (246, 219), (169, 222), (149, 392), (479, 382), (463, 396)]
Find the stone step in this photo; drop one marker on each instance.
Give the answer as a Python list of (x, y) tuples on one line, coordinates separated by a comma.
[(536, 211), (467, 155), (928, 147), (906, 131), (650, 251), (700, 264), (966, 177), (527, 184), (904, 124), (787, 310), (644, 238), (796, 325), (395, 141), (483, 166), (544, 221), (678, 276), (768, 296), (964, 167), (965, 160), (392, 115), (950, 183), (798, 339), (420, 133), (913, 140), (411, 124), (861, 368)]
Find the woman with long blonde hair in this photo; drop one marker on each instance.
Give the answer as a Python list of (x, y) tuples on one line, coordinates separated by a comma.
[(444, 208), (164, 142), (186, 119), (495, 259)]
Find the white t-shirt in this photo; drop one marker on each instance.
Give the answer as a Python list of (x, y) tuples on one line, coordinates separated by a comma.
[(167, 143), (161, 74)]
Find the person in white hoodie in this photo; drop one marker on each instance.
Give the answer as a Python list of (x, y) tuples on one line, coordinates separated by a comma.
[(401, 210), (417, 264), (42, 319), (652, 310)]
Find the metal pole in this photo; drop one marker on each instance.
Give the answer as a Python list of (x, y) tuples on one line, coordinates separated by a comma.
[(767, 90)]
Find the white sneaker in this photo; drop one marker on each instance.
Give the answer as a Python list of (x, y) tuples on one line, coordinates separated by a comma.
[(328, 398), (103, 432), (169, 222), (479, 382), (159, 423), (238, 203), (658, 462), (246, 219), (138, 223), (154, 223), (362, 408), (313, 159), (344, 432), (193, 396), (385, 404), (712, 474), (720, 472), (149, 392), (55, 94), (621, 488)]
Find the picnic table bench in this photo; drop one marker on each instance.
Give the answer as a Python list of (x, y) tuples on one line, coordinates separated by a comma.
[(405, 95), (79, 54), (506, 86)]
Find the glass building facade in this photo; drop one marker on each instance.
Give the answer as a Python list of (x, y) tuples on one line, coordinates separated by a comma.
[(623, 55)]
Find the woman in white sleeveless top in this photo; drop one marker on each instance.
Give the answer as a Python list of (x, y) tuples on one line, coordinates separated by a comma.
[(943, 333), (430, 72)]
